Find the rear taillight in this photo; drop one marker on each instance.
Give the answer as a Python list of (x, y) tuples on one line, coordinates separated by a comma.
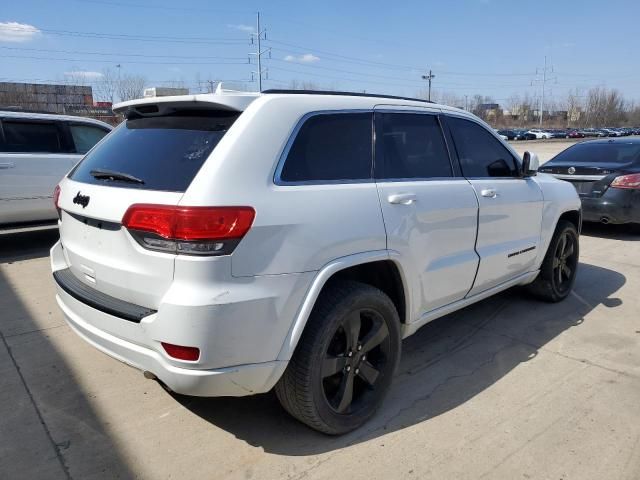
[(188, 230), (631, 181), (181, 352)]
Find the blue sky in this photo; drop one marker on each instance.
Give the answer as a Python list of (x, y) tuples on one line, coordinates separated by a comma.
[(490, 47)]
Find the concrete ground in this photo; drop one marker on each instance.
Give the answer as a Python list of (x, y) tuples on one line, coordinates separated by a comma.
[(509, 388)]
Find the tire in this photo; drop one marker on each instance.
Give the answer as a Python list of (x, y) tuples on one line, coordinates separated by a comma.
[(314, 387), (558, 271)]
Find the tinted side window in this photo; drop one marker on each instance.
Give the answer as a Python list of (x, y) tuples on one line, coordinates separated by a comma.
[(480, 153), (85, 137), (331, 147), (28, 137), (413, 147)]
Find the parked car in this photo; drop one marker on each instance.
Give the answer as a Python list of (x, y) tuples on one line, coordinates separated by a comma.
[(610, 132), (524, 135), (575, 134), (222, 245), (540, 133), (606, 174), (507, 134), (558, 133), (36, 151), (592, 132), (502, 137)]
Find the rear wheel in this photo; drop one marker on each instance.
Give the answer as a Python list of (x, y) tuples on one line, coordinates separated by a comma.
[(345, 360), (558, 270)]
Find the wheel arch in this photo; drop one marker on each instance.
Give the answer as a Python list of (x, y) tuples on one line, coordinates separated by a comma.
[(380, 269)]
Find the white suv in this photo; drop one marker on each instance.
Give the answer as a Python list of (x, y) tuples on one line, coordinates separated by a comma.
[(36, 151), (230, 243)]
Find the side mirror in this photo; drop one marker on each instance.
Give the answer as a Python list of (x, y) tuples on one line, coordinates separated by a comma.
[(530, 164)]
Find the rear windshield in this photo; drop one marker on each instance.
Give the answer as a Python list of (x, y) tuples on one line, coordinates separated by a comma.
[(601, 153), (162, 153)]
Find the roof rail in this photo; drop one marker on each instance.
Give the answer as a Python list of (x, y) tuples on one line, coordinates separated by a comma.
[(349, 94)]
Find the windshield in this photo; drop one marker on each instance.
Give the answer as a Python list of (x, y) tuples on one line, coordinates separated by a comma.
[(165, 153), (600, 153)]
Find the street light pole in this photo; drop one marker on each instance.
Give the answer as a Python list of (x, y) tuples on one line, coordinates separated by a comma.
[(429, 78)]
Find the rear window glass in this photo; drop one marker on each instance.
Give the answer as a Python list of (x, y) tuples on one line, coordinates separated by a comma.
[(601, 153), (31, 137), (85, 137), (331, 147), (163, 152)]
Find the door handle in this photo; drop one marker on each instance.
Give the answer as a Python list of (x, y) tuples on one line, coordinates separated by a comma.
[(7, 165), (402, 198), (489, 193)]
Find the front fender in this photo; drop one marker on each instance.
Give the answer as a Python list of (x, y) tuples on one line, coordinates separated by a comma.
[(559, 197)]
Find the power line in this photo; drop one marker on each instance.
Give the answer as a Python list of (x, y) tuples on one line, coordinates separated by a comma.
[(546, 69), (136, 62), (140, 38), (80, 52), (258, 36)]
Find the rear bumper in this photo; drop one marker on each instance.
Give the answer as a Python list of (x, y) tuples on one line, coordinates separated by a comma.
[(235, 381), (239, 325), (615, 206)]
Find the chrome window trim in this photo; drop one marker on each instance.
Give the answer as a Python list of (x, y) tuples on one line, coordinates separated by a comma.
[(277, 177)]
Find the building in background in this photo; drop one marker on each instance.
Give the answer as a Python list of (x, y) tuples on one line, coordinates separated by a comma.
[(51, 98)]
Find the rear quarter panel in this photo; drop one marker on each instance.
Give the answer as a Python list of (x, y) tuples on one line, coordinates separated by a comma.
[(298, 228)]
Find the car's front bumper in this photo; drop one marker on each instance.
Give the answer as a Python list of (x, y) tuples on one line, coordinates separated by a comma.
[(616, 205)]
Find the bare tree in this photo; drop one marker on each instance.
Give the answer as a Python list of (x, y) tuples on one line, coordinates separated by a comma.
[(107, 87), (131, 87)]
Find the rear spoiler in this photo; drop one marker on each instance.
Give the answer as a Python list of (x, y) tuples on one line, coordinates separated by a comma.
[(221, 100)]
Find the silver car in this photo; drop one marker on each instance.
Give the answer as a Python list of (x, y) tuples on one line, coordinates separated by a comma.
[(36, 151)]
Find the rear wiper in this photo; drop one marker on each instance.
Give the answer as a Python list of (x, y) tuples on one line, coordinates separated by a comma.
[(113, 175)]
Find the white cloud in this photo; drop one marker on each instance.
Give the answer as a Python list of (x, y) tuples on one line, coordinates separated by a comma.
[(89, 75), (243, 28), (17, 32), (306, 58)]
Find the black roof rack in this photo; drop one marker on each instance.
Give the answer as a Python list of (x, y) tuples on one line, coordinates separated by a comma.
[(346, 94)]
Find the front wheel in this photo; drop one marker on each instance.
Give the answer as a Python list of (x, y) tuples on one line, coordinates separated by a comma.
[(345, 360), (558, 270)]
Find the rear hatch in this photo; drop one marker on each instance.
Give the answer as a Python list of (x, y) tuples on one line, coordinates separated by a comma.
[(146, 160), (591, 166)]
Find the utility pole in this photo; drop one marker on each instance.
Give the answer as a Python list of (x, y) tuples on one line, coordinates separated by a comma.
[(259, 36), (466, 103), (429, 78), (543, 82)]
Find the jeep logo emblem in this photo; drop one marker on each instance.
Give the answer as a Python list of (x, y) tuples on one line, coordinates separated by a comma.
[(571, 170), (80, 199)]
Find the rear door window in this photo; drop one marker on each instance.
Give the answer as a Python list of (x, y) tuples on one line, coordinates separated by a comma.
[(31, 137), (481, 154), (331, 147), (86, 136), (164, 152), (412, 147)]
